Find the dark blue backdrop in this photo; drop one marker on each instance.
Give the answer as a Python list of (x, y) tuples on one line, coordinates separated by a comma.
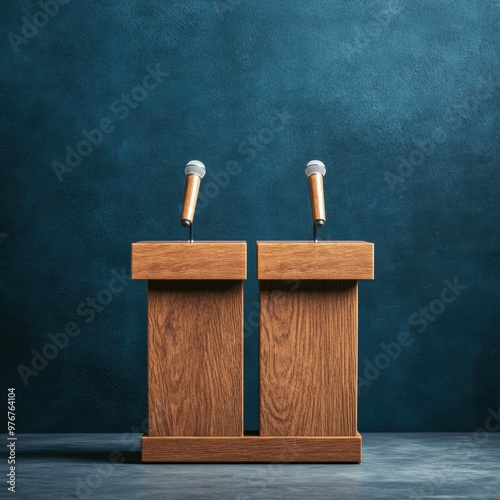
[(400, 99)]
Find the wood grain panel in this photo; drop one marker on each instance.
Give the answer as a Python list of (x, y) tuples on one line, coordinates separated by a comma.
[(195, 358), (252, 449), (308, 358), (173, 260), (324, 260)]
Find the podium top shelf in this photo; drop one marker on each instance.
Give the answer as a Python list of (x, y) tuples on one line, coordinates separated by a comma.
[(324, 260), (181, 260)]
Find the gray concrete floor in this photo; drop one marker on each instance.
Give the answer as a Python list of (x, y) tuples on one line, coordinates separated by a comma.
[(107, 466)]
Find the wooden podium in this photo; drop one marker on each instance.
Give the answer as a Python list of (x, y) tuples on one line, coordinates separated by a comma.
[(195, 340), (308, 350), (309, 341)]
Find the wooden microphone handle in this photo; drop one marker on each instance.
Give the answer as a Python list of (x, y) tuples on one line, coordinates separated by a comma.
[(317, 197), (193, 182)]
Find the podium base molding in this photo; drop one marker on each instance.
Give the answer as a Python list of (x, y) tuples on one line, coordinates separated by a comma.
[(248, 449)]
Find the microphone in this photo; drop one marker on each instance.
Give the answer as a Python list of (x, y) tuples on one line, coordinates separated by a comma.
[(195, 171), (315, 170)]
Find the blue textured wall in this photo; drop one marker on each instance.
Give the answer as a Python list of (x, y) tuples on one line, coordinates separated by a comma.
[(399, 99)]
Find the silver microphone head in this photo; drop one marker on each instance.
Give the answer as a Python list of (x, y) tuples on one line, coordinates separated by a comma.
[(315, 167), (195, 167)]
